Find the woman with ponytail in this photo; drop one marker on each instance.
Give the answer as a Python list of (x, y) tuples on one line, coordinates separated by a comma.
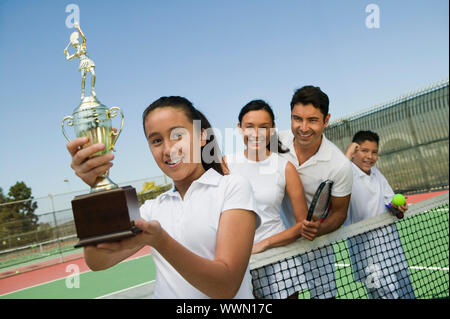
[(271, 177)]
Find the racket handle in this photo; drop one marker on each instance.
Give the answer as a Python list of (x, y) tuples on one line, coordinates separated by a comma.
[(398, 213)]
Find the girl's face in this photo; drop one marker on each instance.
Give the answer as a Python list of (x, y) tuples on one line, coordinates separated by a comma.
[(174, 143), (255, 126)]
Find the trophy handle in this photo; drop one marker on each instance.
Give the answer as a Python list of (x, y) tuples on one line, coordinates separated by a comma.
[(69, 123), (113, 114)]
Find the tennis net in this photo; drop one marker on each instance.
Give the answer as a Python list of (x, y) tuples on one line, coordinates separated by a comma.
[(382, 257)]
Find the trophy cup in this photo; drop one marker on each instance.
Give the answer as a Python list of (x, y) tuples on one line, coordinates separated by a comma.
[(108, 212)]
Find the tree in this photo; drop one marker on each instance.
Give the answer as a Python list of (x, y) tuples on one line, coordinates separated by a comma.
[(18, 216), (150, 190)]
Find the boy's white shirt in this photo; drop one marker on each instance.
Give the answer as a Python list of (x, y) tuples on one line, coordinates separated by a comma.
[(370, 195)]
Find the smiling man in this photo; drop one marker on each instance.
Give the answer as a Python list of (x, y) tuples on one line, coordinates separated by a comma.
[(316, 160)]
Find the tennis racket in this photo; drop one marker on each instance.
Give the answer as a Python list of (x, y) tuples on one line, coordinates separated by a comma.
[(320, 203)]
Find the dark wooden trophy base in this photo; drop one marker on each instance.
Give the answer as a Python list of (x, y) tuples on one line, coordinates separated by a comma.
[(106, 216)]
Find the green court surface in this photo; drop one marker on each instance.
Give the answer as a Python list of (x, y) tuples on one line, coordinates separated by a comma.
[(425, 241), (94, 284)]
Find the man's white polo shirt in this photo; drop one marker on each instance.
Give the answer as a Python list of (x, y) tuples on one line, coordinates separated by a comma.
[(327, 163), (193, 222), (370, 195)]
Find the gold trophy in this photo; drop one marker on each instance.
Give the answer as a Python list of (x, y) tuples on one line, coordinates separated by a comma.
[(108, 212)]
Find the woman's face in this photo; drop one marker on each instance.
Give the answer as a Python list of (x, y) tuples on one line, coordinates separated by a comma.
[(255, 126), (174, 143)]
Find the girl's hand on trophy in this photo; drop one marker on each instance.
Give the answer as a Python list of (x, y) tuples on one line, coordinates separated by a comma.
[(85, 165), (152, 234)]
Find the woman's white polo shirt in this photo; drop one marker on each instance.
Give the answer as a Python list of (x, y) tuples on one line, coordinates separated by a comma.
[(193, 222)]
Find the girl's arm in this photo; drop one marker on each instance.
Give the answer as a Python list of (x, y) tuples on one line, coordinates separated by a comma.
[(101, 256), (217, 278), (70, 57), (224, 166), (221, 277), (83, 38), (294, 189)]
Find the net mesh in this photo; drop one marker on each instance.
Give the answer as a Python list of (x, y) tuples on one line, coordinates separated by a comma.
[(382, 257)]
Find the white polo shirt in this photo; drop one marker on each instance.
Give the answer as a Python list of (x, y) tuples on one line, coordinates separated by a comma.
[(193, 222), (370, 195), (268, 182), (328, 163)]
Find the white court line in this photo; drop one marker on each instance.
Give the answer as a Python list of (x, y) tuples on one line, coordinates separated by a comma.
[(412, 267), (429, 268), (126, 289)]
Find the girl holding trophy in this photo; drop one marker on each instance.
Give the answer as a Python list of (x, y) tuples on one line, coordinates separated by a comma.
[(201, 231)]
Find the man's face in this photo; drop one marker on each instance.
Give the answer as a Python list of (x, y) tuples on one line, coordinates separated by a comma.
[(308, 124), (366, 156)]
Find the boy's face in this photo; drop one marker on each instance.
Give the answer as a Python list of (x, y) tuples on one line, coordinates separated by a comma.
[(366, 156)]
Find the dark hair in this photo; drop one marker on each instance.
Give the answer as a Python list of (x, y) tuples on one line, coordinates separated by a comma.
[(362, 136), (192, 114), (311, 95), (257, 105)]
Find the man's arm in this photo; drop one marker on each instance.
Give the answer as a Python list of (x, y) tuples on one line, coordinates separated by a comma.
[(342, 188)]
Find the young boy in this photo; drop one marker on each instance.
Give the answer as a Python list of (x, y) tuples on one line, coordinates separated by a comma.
[(384, 276)]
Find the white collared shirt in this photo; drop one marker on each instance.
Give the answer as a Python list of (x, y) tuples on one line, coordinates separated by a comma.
[(193, 222), (370, 195), (268, 182), (327, 163)]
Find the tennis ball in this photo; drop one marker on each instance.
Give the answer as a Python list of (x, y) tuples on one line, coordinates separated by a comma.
[(398, 200)]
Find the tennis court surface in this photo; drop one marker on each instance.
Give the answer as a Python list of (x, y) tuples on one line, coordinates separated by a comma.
[(379, 258)]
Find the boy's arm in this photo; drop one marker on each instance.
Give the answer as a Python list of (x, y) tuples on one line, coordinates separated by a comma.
[(352, 148)]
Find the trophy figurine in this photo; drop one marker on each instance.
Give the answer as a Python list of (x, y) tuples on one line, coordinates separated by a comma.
[(108, 212)]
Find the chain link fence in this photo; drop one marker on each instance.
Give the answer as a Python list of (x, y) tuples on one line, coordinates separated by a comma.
[(54, 236), (414, 138)]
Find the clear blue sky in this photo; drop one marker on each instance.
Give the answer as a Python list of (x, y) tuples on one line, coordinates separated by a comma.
[(218, 54)]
